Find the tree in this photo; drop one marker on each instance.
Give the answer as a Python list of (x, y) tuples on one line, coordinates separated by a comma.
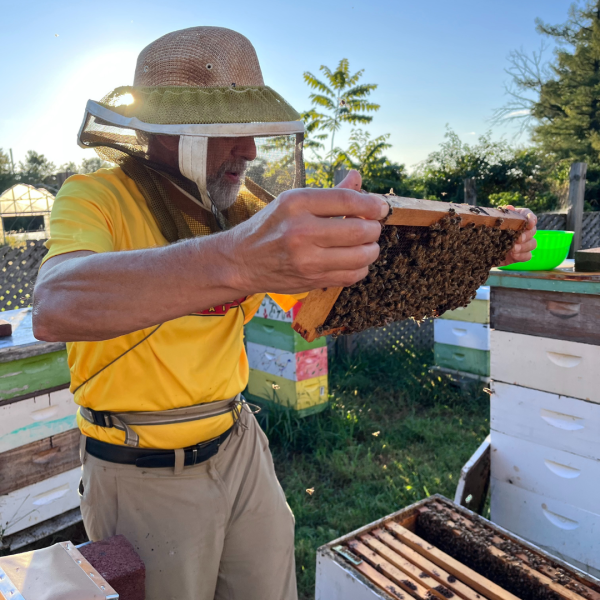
[(364, 154), (89, 165), (7, 177), (342, 98), (36, 169), (504, 174), (561, 100)]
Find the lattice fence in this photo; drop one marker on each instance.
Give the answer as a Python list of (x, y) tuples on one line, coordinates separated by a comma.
[(552, 221), (19, 272), (590, 230), (590, 234), (388, 339)]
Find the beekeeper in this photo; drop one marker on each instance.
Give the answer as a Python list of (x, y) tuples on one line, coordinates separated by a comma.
[(153, 305)]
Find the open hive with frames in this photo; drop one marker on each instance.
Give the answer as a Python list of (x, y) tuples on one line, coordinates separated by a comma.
[(437, 550), (433, 257)]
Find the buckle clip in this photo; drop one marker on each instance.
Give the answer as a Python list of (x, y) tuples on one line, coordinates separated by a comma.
[(101, 418)]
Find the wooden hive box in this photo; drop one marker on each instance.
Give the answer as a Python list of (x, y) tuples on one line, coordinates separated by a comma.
[(434, 256), (436, 550)]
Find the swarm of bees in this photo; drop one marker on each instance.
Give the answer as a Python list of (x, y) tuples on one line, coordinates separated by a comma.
[(421, 272)]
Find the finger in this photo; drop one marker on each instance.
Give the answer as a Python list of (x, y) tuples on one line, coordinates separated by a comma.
[(338, 202), (350, 259), (526, 236), (521, 257), (344, 278), (352, 181), (330, 233), (531, 220), (528, 246)]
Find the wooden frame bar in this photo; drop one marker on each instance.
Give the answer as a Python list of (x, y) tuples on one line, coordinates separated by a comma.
[(545, 574), (409, 212)]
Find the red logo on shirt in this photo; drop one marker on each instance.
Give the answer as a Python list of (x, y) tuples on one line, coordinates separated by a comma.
[(221, 310)]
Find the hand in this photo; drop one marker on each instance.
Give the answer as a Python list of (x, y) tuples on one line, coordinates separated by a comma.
[(521, 251), (293, 245)]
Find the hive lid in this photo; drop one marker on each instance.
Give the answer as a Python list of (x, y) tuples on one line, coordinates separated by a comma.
[(58, 572)]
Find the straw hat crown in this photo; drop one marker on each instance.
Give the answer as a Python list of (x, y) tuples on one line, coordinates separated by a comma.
[(199, 57)]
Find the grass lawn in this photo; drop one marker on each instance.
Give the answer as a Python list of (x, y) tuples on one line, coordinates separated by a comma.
[(394, 434)]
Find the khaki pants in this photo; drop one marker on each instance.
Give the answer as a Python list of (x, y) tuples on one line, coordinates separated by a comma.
[(219, 530)]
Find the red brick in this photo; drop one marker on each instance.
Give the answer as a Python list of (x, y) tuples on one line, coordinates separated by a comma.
[(117, 561), (5, 328)]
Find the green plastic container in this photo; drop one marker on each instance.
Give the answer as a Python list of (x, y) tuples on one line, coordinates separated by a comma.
[(552, 249)]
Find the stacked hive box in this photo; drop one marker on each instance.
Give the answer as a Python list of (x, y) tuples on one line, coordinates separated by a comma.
[(545, 410), (462, 338), (285, 369), (39, 439)]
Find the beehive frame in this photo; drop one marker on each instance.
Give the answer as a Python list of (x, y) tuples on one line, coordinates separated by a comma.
[(403, 212), (390, 559)]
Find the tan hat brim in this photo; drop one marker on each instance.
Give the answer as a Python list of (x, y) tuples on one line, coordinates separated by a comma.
[(196, 105)]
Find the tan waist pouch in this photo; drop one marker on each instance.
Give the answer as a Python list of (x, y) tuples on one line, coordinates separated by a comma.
[(59, 572)]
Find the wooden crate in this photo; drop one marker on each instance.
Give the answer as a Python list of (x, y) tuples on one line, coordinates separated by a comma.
[(278, 334), (294, 366), (462, 333), (25, 421), (27, 376), (478, 311), (39, 460), (563, 529), (269, 309), (556, 366), (465, 360), (471, 559), (304, 397), (406, 212), (551, 473), (558, 315), (40, 501), (560, 422)]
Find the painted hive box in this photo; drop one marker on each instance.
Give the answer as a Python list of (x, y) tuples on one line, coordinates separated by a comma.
[(434, 256)]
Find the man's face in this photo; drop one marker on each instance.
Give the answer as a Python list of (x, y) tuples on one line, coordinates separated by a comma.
[(225, 168)]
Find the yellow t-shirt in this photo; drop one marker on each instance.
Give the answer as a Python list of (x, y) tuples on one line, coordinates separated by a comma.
[(190, 360)]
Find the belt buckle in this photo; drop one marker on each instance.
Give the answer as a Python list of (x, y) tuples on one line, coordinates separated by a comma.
[(194, 455)]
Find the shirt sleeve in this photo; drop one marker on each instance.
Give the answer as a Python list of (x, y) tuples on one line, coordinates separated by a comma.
[(82, 218)]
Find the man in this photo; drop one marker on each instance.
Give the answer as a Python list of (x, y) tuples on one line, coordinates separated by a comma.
[(171, 458)]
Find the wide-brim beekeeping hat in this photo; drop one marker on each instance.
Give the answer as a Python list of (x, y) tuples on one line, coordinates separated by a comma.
[(205, 85)]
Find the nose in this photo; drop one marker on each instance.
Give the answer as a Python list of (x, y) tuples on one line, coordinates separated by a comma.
[(244, 148)]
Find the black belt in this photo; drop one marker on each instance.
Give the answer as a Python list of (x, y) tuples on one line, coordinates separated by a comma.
[(148, 458)]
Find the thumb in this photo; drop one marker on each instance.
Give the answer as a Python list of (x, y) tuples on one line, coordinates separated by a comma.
[(352, 181)]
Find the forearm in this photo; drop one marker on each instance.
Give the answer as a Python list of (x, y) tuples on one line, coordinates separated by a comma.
[(102, 296)]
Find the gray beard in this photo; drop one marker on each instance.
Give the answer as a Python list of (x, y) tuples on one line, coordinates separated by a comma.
[(223, 193)]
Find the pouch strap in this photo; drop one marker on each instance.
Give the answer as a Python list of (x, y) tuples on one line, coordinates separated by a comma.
[(125, 420)]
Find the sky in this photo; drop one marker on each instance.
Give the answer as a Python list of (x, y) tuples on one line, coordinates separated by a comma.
[(436, 62)]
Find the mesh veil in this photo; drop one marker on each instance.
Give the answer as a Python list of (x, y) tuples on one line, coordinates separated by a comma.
[(123, 128)]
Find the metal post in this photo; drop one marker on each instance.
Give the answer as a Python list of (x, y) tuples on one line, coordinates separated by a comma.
[(576, 202), (339, 174), (470, 191)]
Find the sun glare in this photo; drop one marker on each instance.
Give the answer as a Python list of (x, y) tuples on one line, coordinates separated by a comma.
[(126, 100)]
